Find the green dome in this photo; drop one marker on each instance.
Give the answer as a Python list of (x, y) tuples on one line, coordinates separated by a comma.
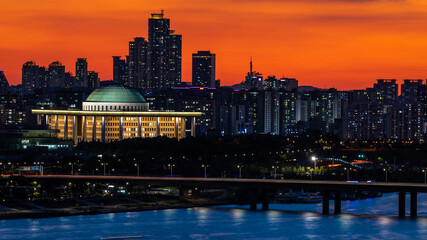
[(116, 93)]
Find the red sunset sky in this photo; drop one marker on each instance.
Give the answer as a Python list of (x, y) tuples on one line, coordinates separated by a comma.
[(345, 44)]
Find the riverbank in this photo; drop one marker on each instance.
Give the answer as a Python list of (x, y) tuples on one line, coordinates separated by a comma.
[(93, 210)]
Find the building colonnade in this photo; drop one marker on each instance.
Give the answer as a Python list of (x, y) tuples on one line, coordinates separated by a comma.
[(86, 127)]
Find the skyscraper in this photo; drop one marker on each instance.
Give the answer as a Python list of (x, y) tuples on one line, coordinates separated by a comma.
[(137, 63), (164, 53), (175, 53), (386, 91), (30, 77), (203, 69), (43, 78), (120, 71), (56, 75), (81, 72), (409, 90)]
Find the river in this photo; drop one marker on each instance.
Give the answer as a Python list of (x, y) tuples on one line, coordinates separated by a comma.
[(361, 219)]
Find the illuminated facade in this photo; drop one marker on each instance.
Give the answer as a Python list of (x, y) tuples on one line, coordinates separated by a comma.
[(115, 113)]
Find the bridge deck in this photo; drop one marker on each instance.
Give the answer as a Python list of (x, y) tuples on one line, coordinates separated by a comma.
[(246, 183)]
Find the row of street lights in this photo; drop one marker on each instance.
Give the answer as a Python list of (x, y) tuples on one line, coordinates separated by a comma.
[(205, 166)]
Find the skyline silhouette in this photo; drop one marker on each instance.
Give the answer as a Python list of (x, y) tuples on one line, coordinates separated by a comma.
[(341, 44)]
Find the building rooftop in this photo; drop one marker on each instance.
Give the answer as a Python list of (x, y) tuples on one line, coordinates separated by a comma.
[(116, 93)]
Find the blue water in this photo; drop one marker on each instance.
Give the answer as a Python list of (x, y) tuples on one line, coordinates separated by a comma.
[(363, 219)]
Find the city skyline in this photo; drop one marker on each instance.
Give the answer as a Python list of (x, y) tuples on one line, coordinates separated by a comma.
[(343, 44)]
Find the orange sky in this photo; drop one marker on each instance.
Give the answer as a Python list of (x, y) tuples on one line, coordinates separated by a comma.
[(345, 44)]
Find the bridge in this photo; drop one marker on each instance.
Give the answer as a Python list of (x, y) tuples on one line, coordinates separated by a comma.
[(338, 160), (259, 188)]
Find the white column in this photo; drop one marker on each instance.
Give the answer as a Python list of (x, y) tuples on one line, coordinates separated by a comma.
[(176, 128), (75, 130), (193, 126), (103, 129), (84, 128), (93, 128), (39, 119), (47, 119), (184, 127), (158, 127), (56, 122), (139, 126), (121, 129), (65, 127)]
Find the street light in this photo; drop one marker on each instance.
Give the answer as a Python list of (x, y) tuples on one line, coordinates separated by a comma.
[(171, 167), (104, 164), (137, 169), (240, 170), (348, 173), (72, 167), (313, 158), (425, 176), (275, 170), (386, 173), (205, 166)]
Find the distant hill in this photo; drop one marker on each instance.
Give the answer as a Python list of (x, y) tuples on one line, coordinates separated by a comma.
[(236, 86), (307, 88)]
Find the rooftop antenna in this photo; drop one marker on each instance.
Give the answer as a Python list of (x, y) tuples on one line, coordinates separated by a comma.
[(251, 67), (162, 11)]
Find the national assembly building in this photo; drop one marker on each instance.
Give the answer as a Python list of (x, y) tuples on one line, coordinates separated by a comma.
[(113, 113)]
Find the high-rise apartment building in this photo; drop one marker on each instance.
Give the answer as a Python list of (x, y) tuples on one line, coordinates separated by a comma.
[(386, 91), (203, 69), (30, 77), (409, 90), (81, 73), (137, 63), (120, 71), (56, 75), (175, 55), (164, 53), (93, 80)]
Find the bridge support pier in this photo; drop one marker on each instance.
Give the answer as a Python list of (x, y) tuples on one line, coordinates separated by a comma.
[(253, 199), (325, 208), (337, 202), (265, 199), (402, 204), (413, 211)]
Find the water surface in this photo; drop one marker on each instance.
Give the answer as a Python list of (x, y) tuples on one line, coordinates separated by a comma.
[(365, 219)]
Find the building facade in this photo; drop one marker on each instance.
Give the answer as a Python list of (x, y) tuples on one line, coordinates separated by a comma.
[(114, 113), (120, 71), (164, 53), (203, 69), (81, 73)]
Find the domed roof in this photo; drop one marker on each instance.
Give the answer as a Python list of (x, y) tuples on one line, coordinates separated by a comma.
[(116, 93)]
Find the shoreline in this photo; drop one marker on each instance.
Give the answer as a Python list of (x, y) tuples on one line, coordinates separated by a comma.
[(51, 213)]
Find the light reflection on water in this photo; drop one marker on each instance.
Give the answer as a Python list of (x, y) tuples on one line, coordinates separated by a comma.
[(365, 219)]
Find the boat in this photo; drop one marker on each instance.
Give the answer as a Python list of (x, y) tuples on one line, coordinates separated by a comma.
[(309, 198), (296, 197)]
